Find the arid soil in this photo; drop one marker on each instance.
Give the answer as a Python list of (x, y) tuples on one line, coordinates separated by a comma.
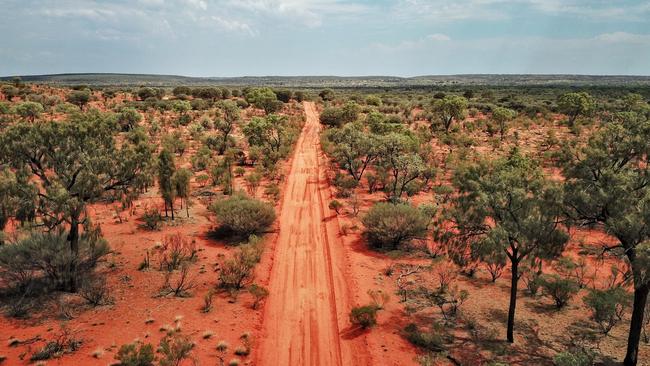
[(309, 299)]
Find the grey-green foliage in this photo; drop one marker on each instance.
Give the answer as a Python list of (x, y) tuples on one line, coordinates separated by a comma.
[(399, 159), (508, 206), (243, 215), (47, 256), (608, 184), (390, 226), (353, 148), (73, 163)]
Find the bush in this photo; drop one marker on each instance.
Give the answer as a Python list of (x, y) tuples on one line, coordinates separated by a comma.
[(64, 342), (577, 357), (364, 316), (152, 218), (47, 256), (174, 348), (238, 271), (243, 216), (336, 206), (561, 290), (607, 307), (174, 251), (134, 355), (259, 293), (95, 291), (532, 281), (431, 340), (389, 226)]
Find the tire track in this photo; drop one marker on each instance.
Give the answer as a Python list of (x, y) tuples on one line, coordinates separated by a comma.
[(306, 292)]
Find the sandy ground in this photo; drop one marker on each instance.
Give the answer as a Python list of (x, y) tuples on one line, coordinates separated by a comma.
[(307, 308)]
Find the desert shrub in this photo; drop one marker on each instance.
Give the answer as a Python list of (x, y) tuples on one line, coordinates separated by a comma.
[(272, 191), (174, 251), (238, 271), (174, 348), (379, 298), (207, 301), (389, 226), (47, 256), (253, 182), (432, 340), (336, 206), (607, 307), (561, 290), (364, 316), (245, 349), (533, 282), (574, 357), (259, 293), (152, 218), (242, 215), (134, 354), (65, 341), (179, 285), (95, 291), (344, 184)]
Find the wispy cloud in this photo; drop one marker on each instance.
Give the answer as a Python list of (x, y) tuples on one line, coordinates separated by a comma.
[(623, 37), (596, 10)]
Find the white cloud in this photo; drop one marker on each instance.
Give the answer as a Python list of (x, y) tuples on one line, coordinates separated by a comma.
[(199, 4), (233, 25), (89, 13), (445, 11), (307, 12)]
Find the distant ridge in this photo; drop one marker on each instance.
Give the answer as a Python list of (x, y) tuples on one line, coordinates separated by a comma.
[(115, 79)]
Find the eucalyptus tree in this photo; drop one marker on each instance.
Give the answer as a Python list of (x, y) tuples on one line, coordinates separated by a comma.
[(166, 170), (398, 156), (608, 184), (502, 116), (74, 163), (505, 207), (354, 149), (449, 109), (227, 124), (575, 105)]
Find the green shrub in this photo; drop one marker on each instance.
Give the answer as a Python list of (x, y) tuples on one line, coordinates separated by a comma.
[(238, 271), (152, 218), (259, 293), (577, 357), (364, 316), (336, 206), (389, 226), (243, 216), (47, 256), (174, 348), (135, 355), (561, 290), (607, 306), (430, 340)]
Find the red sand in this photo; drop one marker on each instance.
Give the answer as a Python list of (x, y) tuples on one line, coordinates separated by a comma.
[(309, 298)]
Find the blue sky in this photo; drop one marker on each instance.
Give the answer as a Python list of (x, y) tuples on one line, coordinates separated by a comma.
[(325, 37)]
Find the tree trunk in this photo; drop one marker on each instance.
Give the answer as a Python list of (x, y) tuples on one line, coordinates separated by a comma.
[(636, 325), (73, 239), (172, 208), (513, 300)]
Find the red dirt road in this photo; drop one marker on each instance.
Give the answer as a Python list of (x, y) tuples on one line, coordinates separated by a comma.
[(307, 308)]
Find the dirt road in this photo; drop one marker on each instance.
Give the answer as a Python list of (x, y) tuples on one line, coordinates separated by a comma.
[(308, 301)]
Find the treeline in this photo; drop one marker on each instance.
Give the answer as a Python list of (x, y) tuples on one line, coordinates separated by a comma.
[(505, 211)]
